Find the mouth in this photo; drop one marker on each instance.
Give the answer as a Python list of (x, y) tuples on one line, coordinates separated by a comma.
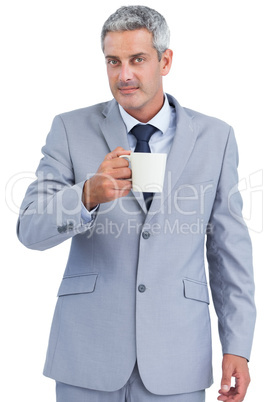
[(128, 90)]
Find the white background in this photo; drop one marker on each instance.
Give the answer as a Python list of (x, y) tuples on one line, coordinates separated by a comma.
[(51, 62)]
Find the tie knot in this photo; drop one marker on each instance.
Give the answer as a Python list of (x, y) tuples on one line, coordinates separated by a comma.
[(143, 132)]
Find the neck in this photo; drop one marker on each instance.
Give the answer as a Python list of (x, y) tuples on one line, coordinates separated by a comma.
[(146, 112)]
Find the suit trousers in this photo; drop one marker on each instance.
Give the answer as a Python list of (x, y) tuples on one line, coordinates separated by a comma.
[(133, 391)]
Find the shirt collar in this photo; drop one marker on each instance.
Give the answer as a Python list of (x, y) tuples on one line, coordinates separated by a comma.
[(160, 120)]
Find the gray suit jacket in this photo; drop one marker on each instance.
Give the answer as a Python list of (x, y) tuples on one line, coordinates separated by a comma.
[(104, 319)]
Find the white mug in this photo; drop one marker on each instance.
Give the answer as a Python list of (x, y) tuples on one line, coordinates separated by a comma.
[(148, 171)]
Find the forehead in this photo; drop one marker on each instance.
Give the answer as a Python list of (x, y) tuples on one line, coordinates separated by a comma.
[(125, 43)]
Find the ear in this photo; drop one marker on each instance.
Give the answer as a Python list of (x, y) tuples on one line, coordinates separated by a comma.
[(166, 62)]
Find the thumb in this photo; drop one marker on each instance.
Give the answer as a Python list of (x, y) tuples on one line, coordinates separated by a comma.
[(226, 378)]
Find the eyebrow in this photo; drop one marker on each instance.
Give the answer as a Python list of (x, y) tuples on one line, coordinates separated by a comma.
[(130, 57)]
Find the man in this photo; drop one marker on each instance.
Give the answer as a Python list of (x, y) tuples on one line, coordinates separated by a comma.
[(132, 321)]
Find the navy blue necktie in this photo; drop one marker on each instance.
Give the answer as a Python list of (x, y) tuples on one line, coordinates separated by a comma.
[(143, 134)]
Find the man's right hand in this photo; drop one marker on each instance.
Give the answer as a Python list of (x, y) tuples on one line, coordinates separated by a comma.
[(107, 184)]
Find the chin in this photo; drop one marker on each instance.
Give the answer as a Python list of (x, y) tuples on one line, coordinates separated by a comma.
[(128, 101)]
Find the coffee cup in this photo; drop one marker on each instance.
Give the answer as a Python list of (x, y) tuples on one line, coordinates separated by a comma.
[(148, 171)]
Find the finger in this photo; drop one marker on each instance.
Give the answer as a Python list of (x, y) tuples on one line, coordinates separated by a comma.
[(234, 395), (230, 399), (117, 163), (111, 183), (119, 184), (222, 398), (121, 189), (113, 189), (242, 383), (123, 173), (225, 398), (116, 153), (109, 164), (114, 173)]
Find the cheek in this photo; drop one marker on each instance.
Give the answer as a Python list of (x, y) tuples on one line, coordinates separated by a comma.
[(111, 77), (153, 81)]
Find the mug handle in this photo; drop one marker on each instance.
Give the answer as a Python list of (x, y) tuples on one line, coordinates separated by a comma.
[(126, 156)]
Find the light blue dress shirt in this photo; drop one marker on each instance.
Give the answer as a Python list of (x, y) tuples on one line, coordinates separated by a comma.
[(160, 142)]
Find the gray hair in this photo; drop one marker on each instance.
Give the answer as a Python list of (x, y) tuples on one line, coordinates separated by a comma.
[(130, 18)]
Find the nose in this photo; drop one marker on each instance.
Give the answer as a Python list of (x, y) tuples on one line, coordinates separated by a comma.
[(125, 72)]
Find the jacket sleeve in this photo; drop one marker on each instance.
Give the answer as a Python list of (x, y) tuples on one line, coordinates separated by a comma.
[(51, 210), (229, 257)]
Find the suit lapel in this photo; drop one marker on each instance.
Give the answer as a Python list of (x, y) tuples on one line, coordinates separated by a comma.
[(181, 149), (113, 127)]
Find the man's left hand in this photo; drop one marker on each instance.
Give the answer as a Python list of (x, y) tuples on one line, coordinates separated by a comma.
[(234, 366)]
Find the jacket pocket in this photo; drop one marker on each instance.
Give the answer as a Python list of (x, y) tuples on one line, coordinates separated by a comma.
[(196, 290), (78, 284)]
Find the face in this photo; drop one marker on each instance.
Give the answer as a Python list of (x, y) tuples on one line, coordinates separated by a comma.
[(135, 74)]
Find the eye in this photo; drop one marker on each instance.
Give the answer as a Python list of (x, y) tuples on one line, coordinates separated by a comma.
[(112, 62), (138, 60)]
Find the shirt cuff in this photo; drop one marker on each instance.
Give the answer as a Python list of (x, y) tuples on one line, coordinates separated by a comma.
[(88, 216)]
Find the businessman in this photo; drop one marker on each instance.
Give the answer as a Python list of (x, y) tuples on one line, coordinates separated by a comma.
[(132, 317)]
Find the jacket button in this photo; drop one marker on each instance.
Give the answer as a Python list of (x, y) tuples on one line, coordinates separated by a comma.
[(141, 288), (62, 229), (146, 235)]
